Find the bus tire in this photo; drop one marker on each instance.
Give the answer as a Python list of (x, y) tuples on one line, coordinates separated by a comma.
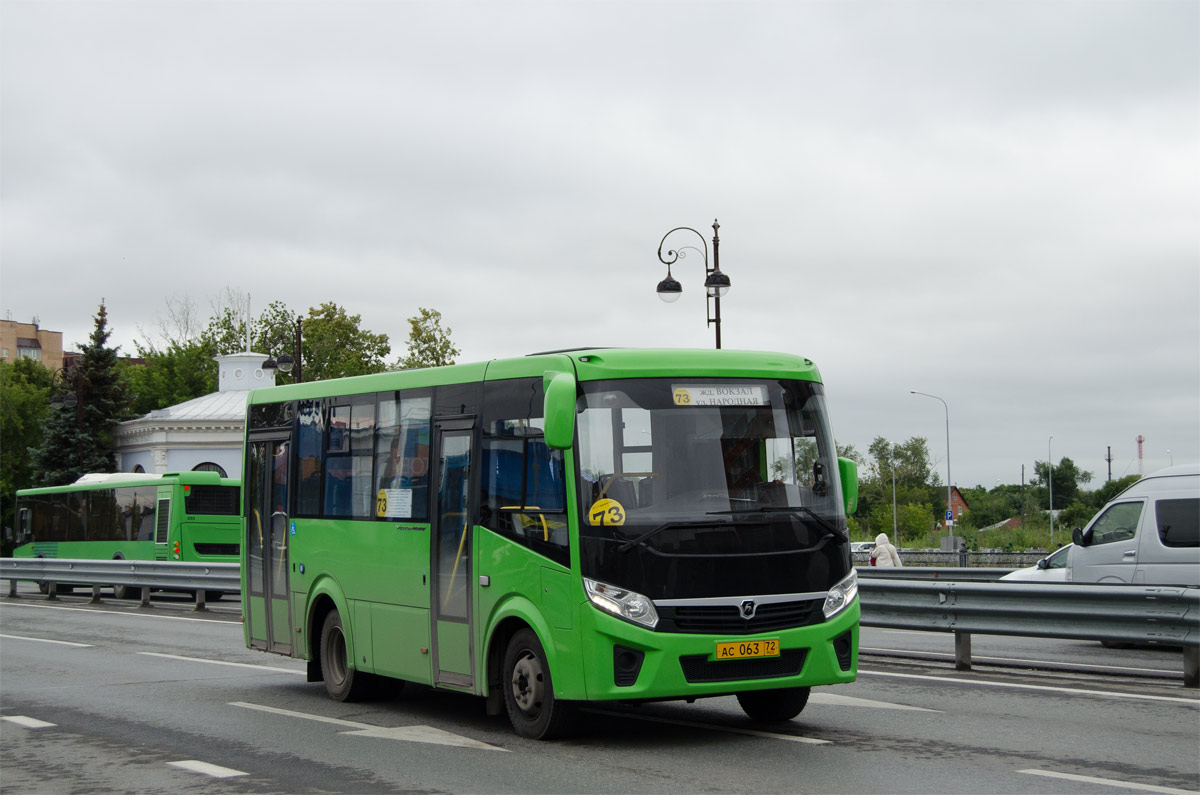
[(529, 692), (774, 706), (342, 682), (125, 591)]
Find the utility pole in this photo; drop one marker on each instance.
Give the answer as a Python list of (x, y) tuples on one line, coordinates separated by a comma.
[(1022, 495), (1108, 458)]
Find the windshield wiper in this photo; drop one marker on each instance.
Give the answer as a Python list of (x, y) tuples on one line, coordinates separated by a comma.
[(630, 544), (824, 523)]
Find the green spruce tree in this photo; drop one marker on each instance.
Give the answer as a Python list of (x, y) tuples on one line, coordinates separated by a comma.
[(89, 400)]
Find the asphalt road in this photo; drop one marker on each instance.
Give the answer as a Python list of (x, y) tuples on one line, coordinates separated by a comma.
[(113, 698)]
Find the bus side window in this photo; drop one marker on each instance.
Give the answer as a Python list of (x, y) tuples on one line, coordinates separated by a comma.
[(402, 456), (310, 454), (524, 496)]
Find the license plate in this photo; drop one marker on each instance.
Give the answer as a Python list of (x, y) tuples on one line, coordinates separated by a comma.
[(743, 649)]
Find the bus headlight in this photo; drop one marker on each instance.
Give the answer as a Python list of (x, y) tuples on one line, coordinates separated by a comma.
[(841, 595), (621, 603)]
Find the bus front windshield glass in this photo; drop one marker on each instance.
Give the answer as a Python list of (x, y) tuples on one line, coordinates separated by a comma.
[(673, 468)]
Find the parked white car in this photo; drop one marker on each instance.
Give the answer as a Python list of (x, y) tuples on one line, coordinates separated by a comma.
[(862, 546), (1052, 568)]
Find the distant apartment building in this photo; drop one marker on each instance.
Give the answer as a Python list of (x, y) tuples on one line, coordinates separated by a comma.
[(27, 341)]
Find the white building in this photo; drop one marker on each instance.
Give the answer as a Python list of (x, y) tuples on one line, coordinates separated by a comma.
[(202, 434)]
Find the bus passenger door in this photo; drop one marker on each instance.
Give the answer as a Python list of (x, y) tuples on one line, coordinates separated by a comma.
[(266, 546), (451, 552)]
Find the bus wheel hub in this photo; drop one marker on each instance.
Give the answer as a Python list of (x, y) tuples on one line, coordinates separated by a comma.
[(527, 684)]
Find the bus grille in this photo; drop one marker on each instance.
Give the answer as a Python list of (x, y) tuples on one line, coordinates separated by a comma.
[(698, 668), (216, 549), (163, 529), (727, 619)]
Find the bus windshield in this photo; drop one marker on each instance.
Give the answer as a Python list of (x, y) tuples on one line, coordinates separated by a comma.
[(732, 473)]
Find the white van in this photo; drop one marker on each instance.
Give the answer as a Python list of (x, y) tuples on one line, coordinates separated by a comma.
[(1148, 534)]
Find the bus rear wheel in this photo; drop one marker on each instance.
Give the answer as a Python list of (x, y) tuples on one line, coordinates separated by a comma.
[(342, 682), (529, 692), (773, 706)]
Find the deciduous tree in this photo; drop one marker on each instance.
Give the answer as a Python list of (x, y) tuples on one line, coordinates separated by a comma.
[(175, 374), (429, 344), (1065, 484), (335, 345), (25, 387)]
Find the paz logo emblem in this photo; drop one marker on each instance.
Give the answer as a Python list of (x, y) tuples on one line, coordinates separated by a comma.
[(748, 608)]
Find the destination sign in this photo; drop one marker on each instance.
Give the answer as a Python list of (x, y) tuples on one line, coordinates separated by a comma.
[(720, 395)]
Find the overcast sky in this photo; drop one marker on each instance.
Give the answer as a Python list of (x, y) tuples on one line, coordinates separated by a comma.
[(993, 202)]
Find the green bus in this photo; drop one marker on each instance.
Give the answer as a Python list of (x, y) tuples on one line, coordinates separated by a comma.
[(185, 516), (575, 526)]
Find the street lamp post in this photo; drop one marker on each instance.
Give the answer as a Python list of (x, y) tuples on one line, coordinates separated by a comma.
[(895, 522), (1050, 480), (285, 362), (949, 482), (716, 283)]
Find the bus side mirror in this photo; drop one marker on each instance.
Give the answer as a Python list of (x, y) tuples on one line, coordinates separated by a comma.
[(848, 472), (559, 410)]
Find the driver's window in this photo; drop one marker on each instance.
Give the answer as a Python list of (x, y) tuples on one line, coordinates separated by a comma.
[(1118, 523)]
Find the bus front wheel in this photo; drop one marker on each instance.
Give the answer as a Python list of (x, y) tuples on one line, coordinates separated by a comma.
[(341, 681), (772, 706), (529, 692)]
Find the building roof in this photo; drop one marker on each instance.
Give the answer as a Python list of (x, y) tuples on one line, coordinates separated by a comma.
[(215, 406), (238, 373)]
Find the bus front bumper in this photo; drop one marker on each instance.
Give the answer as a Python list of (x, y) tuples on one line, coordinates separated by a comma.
[(623, 661)]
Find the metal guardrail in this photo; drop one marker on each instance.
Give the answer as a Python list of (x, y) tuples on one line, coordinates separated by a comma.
[(1118, 613), (950, 573), (990, 558), (200, 578), (905, 598)]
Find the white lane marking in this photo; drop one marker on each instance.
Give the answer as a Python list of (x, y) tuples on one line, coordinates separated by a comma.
[(1108, 782), (794, 738), (980, 658), (216, 771), (27, 722), (46, 640), (1071, 691), (834, 700), (412, 734), (129, 612), (271, 668), (424, 734), (306, 716)]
